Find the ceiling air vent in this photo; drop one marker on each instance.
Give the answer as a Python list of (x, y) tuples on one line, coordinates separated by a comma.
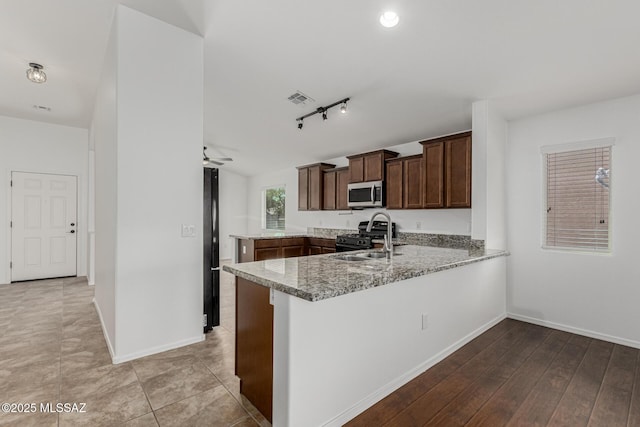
[(42, 108), (300, 98)]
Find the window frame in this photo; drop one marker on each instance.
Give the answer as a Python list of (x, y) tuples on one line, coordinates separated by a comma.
[(263, 207), (566, 147)]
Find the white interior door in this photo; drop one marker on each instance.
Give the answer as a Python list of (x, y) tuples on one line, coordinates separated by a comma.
[(43, 226)]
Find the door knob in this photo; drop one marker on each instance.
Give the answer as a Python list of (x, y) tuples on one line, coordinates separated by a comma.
[(73, 223), (72, 231)]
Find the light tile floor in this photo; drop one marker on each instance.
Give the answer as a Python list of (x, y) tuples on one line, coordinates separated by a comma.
[(52, 350)]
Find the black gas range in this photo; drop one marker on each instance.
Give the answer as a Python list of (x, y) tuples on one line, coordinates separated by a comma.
[(364, 239)]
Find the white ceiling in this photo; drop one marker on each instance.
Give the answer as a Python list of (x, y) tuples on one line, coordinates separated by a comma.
[(410, 82)]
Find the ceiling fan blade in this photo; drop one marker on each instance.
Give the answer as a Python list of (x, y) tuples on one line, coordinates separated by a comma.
[(215, 162), (224, 159)]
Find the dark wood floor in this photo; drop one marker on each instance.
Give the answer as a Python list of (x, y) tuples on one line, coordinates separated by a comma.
[(519, 374)]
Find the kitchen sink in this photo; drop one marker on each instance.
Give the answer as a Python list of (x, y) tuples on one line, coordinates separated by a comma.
[(374, 255), (350, 258)]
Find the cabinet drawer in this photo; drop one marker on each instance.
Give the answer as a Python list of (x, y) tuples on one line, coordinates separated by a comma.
[(294, 241), (267, 253), (267, 243)]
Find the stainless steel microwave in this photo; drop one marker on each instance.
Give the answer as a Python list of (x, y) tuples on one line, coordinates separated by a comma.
[(365, 194)]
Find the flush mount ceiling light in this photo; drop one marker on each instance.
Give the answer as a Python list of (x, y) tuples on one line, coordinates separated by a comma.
[(35, 73), (389, 19), (323, 111)]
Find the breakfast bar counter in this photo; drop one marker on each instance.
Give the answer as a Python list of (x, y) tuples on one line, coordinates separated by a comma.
[(321, 338), (319, 277)]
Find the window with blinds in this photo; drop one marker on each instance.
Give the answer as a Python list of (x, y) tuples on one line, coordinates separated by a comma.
[(577, 199)]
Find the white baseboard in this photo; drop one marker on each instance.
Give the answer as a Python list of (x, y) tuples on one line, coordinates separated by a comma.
[(104, 330), (158, 349), (395, 384), (147, 352), (574, 330)]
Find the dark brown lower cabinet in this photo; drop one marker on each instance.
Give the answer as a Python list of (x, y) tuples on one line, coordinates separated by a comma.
[(254, 344), (318, 245)]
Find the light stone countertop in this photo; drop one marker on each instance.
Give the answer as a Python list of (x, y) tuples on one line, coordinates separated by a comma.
[(319, 277)]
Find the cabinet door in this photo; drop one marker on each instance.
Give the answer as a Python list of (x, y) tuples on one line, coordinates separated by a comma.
[(393, 185), (316, 185), (356, 169), (342, 182), (326, 250), (315, 250), (292, 251), (458, 172), (267, 253), (412, 179), (303, 189), (433, 155), (329, 191), (373, 167), (254, 344)]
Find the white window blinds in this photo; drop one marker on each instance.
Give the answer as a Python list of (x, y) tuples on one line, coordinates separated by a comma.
[(577, 199)]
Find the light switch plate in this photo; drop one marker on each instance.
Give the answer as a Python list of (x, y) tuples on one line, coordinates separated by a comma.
[(188, 230)]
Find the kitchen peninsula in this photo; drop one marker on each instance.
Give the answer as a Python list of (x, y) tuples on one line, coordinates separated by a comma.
[(340, 331)]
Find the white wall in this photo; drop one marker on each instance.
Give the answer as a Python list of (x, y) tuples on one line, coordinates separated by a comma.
[(29, 146), (155, 185), (103, 140), (596, 295), (233, 209), (447, 221), (348, 350), (488, 176)]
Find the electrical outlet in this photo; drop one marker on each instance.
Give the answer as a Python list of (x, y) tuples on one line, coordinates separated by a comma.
[(244, 250), (418, 225), (425, 321)]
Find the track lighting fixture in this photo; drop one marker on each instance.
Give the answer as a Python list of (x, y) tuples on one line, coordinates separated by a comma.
[(323, 111), (35, 73)]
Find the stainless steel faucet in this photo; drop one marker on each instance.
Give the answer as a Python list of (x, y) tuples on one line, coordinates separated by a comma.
[(388, 246)]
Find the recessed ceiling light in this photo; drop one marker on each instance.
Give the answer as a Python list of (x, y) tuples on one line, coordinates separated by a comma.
[(389, 19)]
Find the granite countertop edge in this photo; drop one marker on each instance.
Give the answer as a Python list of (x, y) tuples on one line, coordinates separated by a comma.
[(331, 291)]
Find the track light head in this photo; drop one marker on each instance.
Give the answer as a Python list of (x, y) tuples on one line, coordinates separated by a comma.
[(300, 125), (343, 108), (324, 115)]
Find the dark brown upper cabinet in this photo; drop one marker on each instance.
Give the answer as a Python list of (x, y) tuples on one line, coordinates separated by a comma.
[(369, 166), (404, 181), (329, 190), (335, 188), (342, 181), (311, 186), (447, 174)]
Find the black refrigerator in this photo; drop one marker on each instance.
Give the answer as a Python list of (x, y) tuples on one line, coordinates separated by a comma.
[(211, 251)]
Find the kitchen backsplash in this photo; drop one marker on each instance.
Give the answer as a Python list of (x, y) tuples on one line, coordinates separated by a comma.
[(453, 241)]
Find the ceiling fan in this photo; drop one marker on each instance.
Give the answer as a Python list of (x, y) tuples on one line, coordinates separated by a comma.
[(219, 161)]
